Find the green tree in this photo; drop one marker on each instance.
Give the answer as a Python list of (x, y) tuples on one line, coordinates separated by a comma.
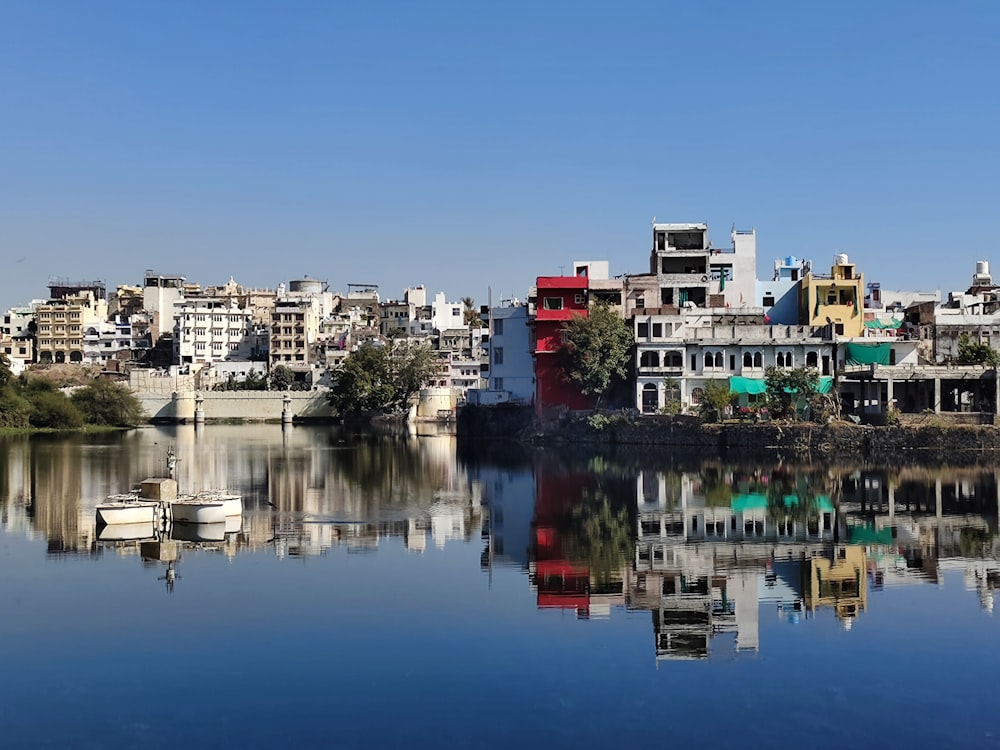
[(715, 397), (470, 314), (596, 350), (786, 388), (105, 402), (598, 532), (972, 352), (381, 378), (52, 408), (6, 376), (282, 378), (15, 410)]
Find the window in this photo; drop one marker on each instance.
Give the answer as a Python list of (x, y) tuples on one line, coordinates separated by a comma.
[(640, 301), (498, 327), (768, 300), (580, 299), (732, 362), (498, 384), (758, 359), (838, 329), (811, 360), (642, 330), (649, 359), (552, 303), (456, 311), (747, 359), (498, 355), (694, 363), (709, 360), (657, 330)]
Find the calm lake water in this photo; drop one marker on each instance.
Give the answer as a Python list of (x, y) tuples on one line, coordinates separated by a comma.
[(382, 591)]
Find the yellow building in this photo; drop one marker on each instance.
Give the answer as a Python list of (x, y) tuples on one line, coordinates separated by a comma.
[(839, 582), (837, 299)]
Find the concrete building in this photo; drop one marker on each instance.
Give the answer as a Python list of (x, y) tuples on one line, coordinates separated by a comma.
[(834, 300), (509, 371), (779, 296), (107, 340), (159, 294), (553, 301), (216, 329), (678, 354), (17, 338)]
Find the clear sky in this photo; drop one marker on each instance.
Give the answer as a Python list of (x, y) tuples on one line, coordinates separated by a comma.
[(468, 145)]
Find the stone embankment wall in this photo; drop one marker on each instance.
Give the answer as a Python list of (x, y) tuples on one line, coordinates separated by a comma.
[(250, 406), (839, 441)]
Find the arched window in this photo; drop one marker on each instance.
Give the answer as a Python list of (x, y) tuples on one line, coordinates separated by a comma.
[(789, 362), (758, 359), (812, 359), (747, 359), (649, 359), (696, 396), (718, 360), (709, 360), (779, 361)]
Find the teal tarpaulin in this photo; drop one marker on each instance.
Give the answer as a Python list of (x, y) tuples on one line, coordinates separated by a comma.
[(867, 354), (758, 501), (887, 324), (756, 386)]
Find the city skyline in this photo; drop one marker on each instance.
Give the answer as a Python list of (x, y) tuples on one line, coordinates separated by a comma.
[(491, 145)]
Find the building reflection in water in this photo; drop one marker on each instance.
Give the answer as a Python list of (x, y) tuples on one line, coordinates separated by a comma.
[(304, 489), (706, 549), (714, 546)]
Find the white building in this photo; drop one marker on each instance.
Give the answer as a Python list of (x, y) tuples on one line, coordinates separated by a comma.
[(213, 329), (677, 355), (510, 373)]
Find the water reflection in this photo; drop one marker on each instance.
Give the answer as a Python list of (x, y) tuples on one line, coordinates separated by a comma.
[(713, 546), (706, 549)]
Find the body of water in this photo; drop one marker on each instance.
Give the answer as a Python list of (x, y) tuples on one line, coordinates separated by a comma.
[(391, 590)]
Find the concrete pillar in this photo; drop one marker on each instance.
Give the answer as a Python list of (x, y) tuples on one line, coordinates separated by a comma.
[(286, 410), (937, 395), (888, 394), (938, 502), (183, 405), (199, 408), (892, 498)]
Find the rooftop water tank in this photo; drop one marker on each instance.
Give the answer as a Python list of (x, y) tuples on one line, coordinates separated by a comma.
[(982, 268), (308, 286), (840, 259)]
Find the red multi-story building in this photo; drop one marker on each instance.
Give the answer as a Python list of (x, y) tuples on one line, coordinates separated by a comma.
[(558, 299)]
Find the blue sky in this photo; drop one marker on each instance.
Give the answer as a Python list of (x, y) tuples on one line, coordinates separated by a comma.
[(469, 145)]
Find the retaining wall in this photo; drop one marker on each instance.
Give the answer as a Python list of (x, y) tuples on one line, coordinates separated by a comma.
[(251, 406)]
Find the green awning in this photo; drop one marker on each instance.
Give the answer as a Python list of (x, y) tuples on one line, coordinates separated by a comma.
[(867, 354), (890, 324)]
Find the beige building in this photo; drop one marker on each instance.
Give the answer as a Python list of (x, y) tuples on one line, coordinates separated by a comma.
[(61, 325)]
